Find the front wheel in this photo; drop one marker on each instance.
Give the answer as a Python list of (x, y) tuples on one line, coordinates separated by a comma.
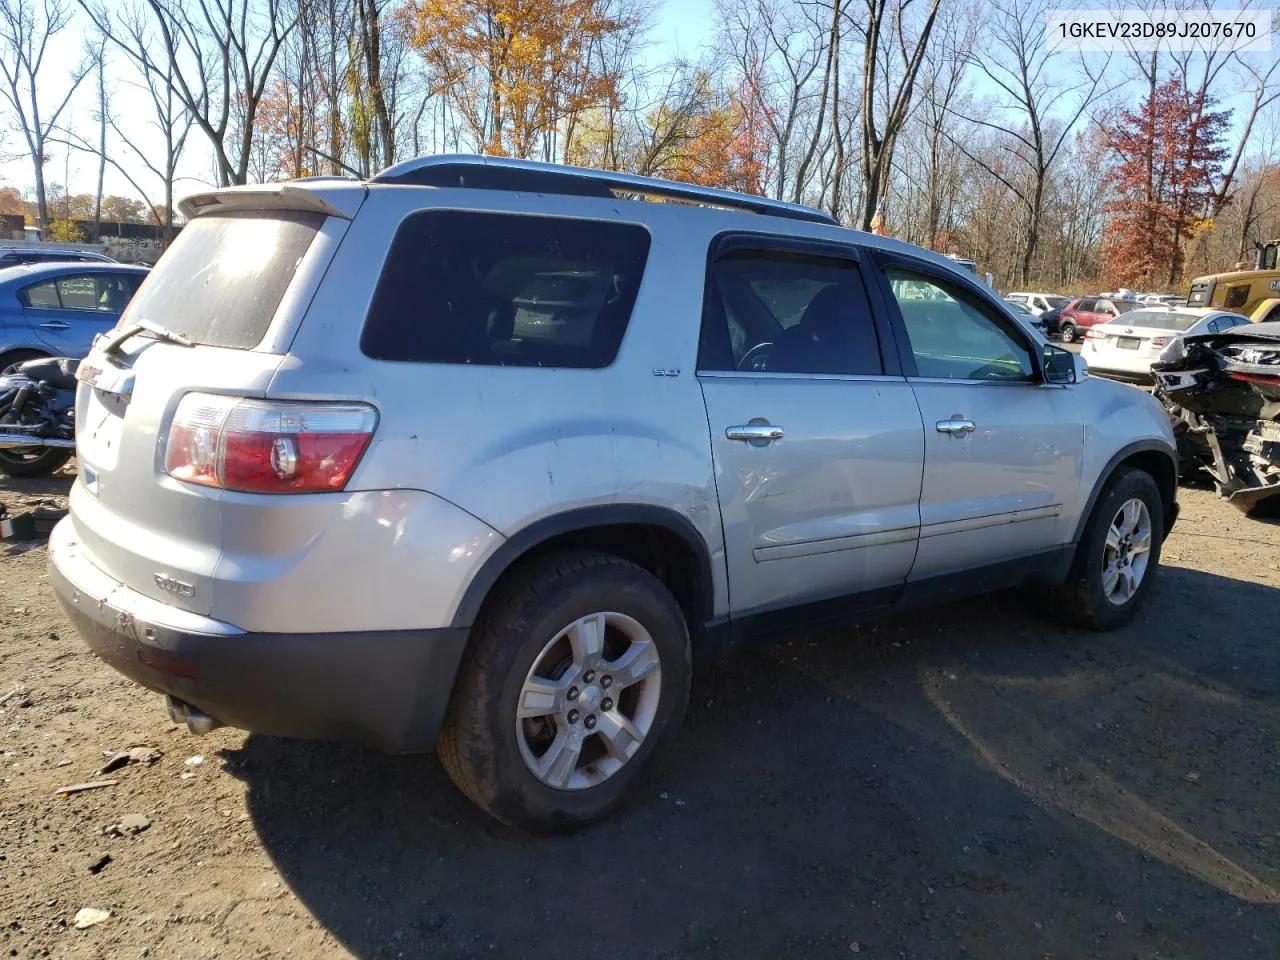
[(1117, 556), (576, 678), (1068, 333)]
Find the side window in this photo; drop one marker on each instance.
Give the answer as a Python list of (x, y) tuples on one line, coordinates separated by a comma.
[(1105, 306), (1087, 305), (954, 336), (42, 296), (781, 313), (1040, 304), (505, 290), (79, 292)]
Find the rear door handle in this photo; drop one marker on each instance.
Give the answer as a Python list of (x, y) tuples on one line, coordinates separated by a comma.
[(955, 426), (56, 325), (754, 432)]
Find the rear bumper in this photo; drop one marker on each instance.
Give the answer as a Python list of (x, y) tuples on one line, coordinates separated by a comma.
[(1145, 378), (388, 689)]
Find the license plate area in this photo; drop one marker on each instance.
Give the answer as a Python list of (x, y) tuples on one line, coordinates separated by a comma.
[(1128, 343), (99, 427)]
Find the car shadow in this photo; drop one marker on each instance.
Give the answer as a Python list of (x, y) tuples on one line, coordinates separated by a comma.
[(965, 781)]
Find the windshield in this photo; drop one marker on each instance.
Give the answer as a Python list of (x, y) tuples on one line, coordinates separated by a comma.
[(223, 278), (1056, 303), (1161, 320)]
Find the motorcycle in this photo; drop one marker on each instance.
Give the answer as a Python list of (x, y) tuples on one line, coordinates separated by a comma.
[(1222, 393), (37, 416)]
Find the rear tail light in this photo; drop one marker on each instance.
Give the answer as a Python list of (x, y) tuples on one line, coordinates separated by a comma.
[(1092, 334), (267, 446)]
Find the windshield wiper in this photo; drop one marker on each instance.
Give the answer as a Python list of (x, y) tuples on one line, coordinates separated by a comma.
[(113, 343)]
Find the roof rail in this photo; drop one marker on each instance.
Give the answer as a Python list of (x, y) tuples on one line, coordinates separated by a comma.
[(502, 173)]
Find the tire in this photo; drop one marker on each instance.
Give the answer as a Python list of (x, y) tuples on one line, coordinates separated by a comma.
[(1067, 333), (544, 614), (1084, 599), (15, 357), (32, 461)]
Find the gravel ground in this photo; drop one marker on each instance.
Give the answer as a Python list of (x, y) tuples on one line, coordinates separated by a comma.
[(964, 782)]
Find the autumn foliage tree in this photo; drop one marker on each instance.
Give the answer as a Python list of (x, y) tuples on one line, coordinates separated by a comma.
[(515, 69), (1168, 156)]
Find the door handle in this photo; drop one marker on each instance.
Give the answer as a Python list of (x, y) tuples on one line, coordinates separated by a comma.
[(758, 432), (955, 426), (56, 325)]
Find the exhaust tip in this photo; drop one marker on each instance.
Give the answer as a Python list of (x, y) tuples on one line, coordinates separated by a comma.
[(197, 721)]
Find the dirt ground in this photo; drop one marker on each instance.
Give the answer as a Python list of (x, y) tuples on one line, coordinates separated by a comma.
[(965, 782)]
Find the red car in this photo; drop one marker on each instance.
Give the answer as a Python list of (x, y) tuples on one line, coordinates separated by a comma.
[(1084, 312)]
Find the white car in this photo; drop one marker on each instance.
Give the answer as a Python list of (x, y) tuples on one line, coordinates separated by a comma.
[(1125, 348), (1038, 303)]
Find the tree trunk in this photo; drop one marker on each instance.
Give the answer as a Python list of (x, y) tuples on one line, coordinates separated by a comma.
[(102, 144)]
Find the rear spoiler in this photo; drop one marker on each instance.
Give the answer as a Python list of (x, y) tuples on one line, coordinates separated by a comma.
[(332, 196)]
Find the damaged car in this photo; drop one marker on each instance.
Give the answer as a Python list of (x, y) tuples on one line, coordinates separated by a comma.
[(1222, 392)]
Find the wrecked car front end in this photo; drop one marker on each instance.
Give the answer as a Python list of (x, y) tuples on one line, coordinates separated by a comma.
[(1222, 392)]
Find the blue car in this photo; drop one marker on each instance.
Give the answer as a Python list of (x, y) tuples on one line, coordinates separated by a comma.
[(56, 309)]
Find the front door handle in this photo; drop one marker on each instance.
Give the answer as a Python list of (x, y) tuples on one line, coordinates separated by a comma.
[(757, 432), (56, 325), (956, 425)]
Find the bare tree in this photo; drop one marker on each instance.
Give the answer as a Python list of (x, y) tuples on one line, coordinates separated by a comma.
[(888, 43), (944, 71), (776, 47), (1034, 111), (25, 31), (217, 55), (99, 54)]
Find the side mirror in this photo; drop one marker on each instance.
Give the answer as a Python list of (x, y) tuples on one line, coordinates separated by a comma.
[(1060, 365)]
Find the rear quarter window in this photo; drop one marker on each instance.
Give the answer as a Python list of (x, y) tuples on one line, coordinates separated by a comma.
[(505, 290), (225, 275)]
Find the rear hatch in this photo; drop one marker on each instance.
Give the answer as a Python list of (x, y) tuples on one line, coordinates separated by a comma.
[(221, 308)]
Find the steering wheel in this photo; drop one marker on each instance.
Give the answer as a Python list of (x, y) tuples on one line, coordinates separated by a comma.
[(757, 358)]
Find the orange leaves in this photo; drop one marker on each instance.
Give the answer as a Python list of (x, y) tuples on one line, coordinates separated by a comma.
[(515, 69)]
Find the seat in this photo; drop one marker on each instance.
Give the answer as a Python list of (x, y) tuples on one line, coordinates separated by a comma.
[(819, 343), (58, 372)]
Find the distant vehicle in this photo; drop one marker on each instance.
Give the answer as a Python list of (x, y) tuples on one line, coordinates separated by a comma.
[(47, 253), (1088, 312), (1039, 303), (56, 309), (1254, 293), (1125, 348), (1162, 299)]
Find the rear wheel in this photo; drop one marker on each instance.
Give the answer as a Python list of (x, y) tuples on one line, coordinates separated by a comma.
[(1067, 332), (573, 683), (32, 461), (15, 357), (1117, 557)]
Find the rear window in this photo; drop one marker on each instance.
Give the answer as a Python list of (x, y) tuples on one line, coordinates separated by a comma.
[(1161, 319), (223, 278), (506, 290)]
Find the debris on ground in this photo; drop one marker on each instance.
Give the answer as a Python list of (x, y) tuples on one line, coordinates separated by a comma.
[(98, 862), (1191, 777), (130, 823), (87, 916), (119, 758), (82, 787), (194, 761), (19, 691)]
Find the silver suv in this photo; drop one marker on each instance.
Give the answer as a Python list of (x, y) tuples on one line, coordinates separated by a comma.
[(480, 454)]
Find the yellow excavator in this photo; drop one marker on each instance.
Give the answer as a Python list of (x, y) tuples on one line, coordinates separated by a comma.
[(1254, 293)]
